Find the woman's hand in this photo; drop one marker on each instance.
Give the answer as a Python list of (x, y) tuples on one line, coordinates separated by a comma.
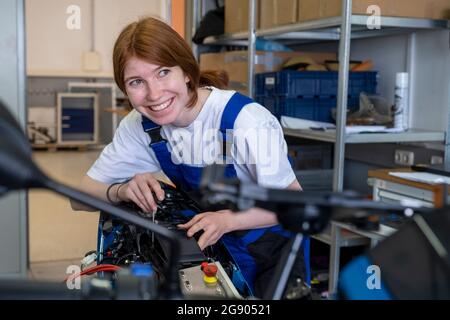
[(139, 190), (214, 225)]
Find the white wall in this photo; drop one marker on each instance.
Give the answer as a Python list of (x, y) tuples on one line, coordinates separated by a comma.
[(430, 60), (52, 47), (389, 55), (430, 65), (430, 109)]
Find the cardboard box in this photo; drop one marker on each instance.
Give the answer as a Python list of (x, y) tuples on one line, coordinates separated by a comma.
[(236, 15), (309, 10), (426, 9), (266, 14), (235, 62), (277, 13)]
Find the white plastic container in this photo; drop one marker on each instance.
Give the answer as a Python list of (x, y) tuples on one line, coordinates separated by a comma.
[(401, 107)]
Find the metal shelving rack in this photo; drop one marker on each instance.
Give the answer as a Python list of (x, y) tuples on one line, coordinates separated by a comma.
[(342, 29), (412, 135)]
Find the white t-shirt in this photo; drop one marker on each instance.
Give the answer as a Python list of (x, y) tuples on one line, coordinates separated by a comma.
[(258, 151)]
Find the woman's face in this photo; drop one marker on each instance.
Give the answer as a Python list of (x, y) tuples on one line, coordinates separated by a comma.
[(159, 93)]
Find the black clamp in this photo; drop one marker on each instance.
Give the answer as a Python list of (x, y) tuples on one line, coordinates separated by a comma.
[(155, 135)]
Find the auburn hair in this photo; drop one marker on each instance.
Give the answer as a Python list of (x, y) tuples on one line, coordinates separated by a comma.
[(154, 41)]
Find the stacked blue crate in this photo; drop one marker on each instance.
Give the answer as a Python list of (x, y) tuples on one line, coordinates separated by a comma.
[(309, 94), (270, 102), (304, 108)]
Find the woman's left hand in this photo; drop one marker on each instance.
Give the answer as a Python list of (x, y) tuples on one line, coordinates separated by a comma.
[(214, 225)]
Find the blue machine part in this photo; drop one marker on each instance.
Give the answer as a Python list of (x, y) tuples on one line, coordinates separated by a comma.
[(105, 240), (239, 281), (188, 213), (354, 282), (141, 270), (305, 249)]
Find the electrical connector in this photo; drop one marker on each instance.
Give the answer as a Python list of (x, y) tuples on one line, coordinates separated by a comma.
[(88, 260)]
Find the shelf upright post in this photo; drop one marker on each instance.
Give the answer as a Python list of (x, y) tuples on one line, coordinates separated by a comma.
[(341, 115), (447, 132), (251, 46), (447, 140), (196, 16)]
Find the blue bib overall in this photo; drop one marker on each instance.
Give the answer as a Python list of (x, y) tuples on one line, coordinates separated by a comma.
[(188, 178)]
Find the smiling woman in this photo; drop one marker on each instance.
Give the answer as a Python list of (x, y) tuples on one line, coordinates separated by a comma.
[(159, 93), (154, 42), (156, 69)]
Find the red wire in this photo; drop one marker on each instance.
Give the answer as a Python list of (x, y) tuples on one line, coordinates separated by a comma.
[(94, 269)]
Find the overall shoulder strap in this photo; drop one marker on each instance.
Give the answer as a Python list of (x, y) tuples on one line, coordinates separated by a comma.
[(232, 109), (153, 130), (159, 146), (229, 115)]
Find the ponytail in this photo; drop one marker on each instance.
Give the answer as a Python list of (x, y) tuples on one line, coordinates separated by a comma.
[(214, 78)]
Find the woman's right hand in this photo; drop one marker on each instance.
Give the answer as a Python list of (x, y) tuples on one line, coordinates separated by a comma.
[(140, 190)]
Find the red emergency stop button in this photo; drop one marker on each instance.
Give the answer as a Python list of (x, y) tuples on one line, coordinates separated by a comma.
[(210, 270), (203, 265)]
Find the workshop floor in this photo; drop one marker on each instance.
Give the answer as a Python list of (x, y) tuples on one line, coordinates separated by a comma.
[(59, 236)]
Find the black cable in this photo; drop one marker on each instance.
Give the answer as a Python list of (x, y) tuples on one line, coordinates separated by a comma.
[(90, 252)]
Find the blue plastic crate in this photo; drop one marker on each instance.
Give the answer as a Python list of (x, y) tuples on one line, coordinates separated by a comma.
[(327, 84), (286, 83), (270, 103), (265, 84), (293, 84), (304, 108), (325, 105), (316, 108), (358, 82), (363, 82), (353, 102)]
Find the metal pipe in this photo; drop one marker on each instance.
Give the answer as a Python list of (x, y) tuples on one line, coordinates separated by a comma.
[(22, 110), (411, 67), (197, 8), (341, 117), (447, 138), (303, 26), (92, 25), (169, 12), (251, 45), (404, 23)]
